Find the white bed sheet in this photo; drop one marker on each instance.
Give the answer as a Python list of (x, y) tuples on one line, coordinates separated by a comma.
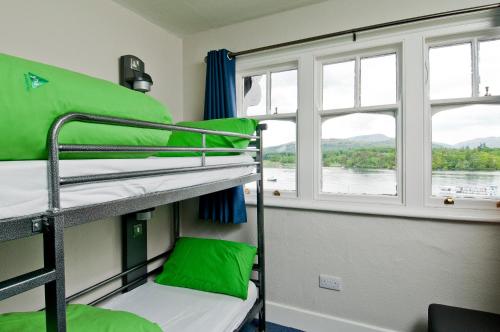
[(178, 309), (23, 184)]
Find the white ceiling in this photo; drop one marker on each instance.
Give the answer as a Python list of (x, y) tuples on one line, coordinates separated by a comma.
[(185, 17)]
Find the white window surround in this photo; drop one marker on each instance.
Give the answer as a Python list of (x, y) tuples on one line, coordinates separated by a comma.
[(414, 153), (320, 113), (267, 69), (473, 38)]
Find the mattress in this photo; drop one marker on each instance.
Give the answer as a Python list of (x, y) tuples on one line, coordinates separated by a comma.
[(178, 309), (23, 184)]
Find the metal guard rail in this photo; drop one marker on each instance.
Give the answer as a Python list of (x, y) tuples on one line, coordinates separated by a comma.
[(55, 181)]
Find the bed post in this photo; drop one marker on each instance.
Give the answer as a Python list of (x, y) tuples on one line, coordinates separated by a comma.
[(53, 255), (53, 239), (260, 229), (176, 222)]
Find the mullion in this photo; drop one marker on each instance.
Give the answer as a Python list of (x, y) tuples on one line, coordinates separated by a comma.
[(357, 82), (475, 67)]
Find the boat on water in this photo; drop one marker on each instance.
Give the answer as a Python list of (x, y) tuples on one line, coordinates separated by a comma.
[(469, 191), (272, 179)]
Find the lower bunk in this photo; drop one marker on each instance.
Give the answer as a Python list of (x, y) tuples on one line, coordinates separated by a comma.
[(177, 309), (204, 285), (148, 308)]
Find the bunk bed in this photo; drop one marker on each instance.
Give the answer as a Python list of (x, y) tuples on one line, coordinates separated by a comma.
[(163, 183)]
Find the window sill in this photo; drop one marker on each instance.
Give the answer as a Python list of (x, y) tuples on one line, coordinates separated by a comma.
[(437, 213)]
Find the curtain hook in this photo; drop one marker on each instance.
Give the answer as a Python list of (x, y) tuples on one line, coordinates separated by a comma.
[(354, 36)]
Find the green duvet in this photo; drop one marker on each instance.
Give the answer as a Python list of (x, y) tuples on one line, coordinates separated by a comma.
[(79, 318), (33, 95)]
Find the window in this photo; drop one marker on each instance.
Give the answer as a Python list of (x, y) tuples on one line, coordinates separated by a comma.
[(359, 126), (489, 68), (450, 71), (378, 80), (338, 85), (272, 98), (255, 102), (465, 128), (391, 124)]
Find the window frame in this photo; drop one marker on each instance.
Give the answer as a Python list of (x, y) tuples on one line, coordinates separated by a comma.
[(474, 38), (267, 69), (414, 117), (325, 114)]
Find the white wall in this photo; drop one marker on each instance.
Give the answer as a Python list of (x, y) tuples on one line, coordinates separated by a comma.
[(392, 268), (330, 16), (87, 36)]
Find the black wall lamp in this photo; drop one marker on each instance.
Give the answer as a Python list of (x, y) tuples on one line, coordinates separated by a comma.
[(132, 74)]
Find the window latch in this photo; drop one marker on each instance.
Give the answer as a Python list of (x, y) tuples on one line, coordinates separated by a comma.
[(449, 201)]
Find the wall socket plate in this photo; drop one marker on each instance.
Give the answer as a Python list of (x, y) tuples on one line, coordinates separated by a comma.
[(330, 282)]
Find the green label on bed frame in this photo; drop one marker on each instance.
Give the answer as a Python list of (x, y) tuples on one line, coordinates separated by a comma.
[(34, 81)]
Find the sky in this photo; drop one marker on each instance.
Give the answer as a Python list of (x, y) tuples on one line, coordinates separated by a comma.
[(464, 123), (450, 77)]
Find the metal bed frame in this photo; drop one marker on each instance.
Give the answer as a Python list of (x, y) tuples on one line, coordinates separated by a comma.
[(52, 222)]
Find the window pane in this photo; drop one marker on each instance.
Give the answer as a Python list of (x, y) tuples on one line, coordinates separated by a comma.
[(378, 80), (284, 92), (359, 154), (338, 85), (489, 68), (450, 71), (466, 151), (279, 156), (254, 95)]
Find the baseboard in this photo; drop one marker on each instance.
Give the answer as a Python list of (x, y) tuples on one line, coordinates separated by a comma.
[(314, 322)]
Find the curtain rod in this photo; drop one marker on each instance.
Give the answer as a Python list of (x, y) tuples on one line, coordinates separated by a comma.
[(354, 31)]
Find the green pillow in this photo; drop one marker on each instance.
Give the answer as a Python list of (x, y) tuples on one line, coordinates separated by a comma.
[(33, 95), (186, 139), (215, 266), (79, 318)]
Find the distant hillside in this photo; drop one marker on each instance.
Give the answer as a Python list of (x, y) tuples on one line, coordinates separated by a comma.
[(365, 141), (380, 141), (491, 142), (283, 148)]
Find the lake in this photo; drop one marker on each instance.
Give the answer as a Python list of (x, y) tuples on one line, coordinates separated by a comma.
[(381, 181)]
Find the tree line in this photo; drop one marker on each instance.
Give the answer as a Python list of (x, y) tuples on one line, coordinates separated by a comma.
[(480, 158)]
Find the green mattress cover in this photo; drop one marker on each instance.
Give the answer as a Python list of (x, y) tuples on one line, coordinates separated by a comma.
[(33, 95), (209, 265), (79, 318), (186, 139)]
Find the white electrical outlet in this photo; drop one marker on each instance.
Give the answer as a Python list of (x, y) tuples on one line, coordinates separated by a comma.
[(330, 282)]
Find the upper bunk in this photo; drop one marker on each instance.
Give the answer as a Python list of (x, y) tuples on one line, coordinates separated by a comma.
[(114, 158), (84, 190)]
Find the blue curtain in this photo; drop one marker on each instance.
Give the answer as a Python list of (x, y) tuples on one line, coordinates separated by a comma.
[(227, 206)]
